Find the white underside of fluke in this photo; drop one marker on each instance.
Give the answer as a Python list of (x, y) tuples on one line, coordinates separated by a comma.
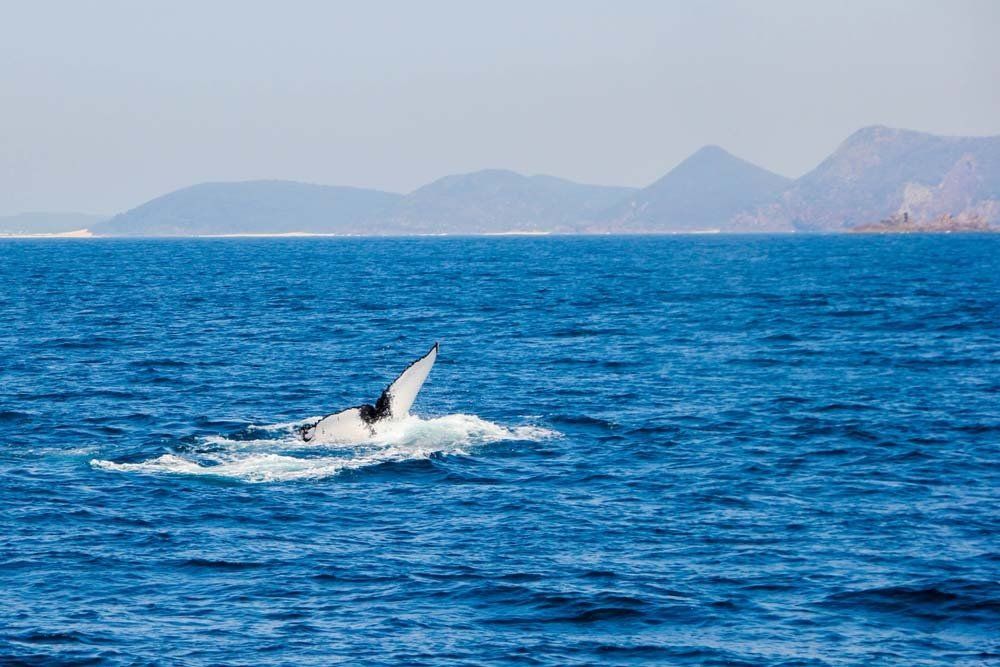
[(351, 425), (346, 426), (404, 389)]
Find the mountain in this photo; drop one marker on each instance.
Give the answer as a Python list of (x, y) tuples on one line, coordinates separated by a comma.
[(48, 223), (485, 201), (881, 172), (251, 207), (496, 200), (879, 179), (703, 192)]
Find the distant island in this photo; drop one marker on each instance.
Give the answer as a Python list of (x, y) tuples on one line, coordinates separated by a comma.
[(879, 180)]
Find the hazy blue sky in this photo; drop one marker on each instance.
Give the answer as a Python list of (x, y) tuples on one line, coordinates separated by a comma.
[(107, 104)]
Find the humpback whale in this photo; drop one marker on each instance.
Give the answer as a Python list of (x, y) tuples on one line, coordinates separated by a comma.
[(360, 422)]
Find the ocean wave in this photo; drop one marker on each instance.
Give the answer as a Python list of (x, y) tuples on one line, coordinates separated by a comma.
[(279, 456), (972, 600)]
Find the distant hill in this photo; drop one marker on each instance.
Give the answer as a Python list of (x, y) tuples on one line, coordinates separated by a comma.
[(879, 172), (254, 207), (496, 200), (703, 192), (482, 202), (48, 223)]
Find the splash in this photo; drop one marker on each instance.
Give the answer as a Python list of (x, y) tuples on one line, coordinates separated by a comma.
[(278, 455)]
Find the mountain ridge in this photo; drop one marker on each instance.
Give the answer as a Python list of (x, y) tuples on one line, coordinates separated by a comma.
[(876, 173), (499, 200)]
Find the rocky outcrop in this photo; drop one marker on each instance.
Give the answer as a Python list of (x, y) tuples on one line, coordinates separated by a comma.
[(943, 224), (879, 172)]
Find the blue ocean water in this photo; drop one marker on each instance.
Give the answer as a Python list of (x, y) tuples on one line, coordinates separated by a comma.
[(646, 450)]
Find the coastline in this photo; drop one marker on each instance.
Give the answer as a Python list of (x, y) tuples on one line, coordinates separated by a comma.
[(866, 231), (76, 234)]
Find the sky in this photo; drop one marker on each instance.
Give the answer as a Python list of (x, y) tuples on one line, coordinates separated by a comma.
[(106, 104)]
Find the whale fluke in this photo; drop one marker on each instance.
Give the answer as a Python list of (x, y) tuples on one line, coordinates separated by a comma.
[(399, 395), (359, 423)]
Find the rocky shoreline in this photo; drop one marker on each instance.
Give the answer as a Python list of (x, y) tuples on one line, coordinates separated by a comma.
[(944, 224)]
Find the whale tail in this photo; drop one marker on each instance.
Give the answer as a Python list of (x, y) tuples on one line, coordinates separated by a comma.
[(358, 423), (398, 397)]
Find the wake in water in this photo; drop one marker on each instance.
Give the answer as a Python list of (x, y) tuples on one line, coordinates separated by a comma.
[(274, 453)]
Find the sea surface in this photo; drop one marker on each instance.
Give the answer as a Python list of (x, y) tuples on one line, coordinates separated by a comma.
[(646, 450)]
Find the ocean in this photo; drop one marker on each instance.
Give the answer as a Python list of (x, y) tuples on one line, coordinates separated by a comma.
[(711, 450)]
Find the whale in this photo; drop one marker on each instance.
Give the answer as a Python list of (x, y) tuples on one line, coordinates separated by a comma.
[(362, 422)]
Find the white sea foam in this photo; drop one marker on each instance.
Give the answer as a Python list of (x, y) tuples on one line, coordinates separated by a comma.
[(281, 456)]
